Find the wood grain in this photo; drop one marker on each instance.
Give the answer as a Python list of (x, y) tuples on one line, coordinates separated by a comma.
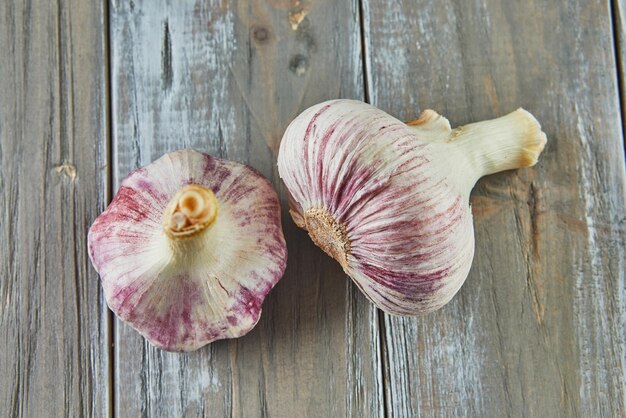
[(227, 78), (619, 37), (53, 181), (538, 328)]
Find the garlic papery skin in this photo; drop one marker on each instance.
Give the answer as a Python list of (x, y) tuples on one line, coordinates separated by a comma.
[(189, 248), (390, 200)]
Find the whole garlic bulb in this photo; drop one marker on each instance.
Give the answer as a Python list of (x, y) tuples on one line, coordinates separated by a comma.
[(390, 201), (189, 248)]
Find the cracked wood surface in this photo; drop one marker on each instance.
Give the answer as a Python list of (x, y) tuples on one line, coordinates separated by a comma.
[(538, 328), (53, 150)]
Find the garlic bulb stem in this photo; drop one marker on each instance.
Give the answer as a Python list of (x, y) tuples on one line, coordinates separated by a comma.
[(479, 149), (189, 212)]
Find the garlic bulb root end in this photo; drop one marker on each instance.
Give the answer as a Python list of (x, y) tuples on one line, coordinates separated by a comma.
[(328, 234)]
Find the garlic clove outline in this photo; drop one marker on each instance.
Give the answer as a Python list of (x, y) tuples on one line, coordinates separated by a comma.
[(390, 200), (189, 248)]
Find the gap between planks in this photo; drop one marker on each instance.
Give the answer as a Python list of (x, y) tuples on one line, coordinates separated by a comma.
[(108, 192), (619, 49), (382, 365)]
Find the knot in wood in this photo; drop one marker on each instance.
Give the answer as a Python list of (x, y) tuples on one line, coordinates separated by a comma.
[(260, 34)]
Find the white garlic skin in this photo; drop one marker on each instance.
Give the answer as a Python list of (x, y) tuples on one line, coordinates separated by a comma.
[(184, 293), (390, 201)]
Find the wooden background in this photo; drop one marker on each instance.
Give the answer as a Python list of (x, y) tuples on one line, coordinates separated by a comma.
[(90, 90)]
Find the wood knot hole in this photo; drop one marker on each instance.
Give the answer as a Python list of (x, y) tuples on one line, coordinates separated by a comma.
[(260, 34), (299, 64)]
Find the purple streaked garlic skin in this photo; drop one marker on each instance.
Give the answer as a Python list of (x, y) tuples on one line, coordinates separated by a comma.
[(390, 200), (189, 248)]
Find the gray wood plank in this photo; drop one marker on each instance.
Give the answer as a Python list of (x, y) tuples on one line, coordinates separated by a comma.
[(227, 78), (53, 180), (538, 328), (618, 8)]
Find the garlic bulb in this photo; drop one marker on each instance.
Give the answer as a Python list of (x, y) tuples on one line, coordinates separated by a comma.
[(390, 201), (189, 248)]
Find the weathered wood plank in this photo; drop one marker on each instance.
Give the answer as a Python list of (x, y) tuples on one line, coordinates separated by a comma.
[(538, 328), (226, 78), (619, 35), (53, 180)]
